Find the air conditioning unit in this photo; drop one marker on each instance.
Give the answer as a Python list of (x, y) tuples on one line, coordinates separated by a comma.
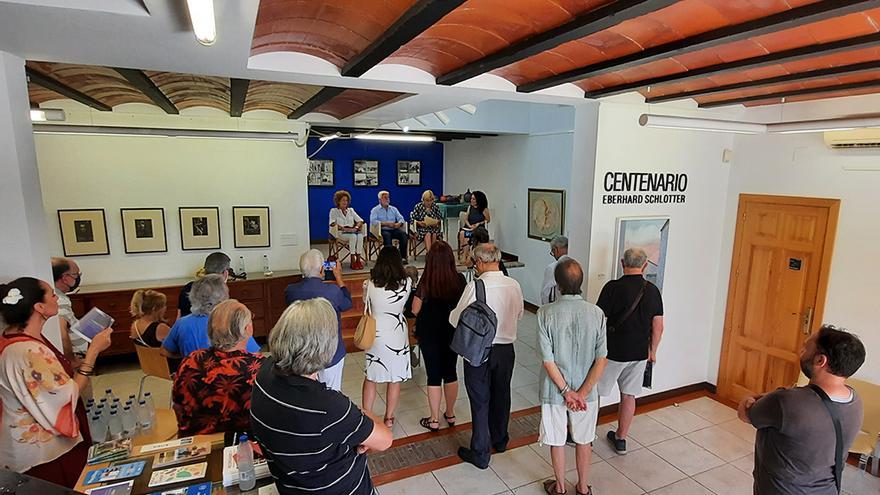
[(868, 137)]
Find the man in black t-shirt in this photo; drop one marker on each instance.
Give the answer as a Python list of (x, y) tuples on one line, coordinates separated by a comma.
[(215, 263), (634, 310)]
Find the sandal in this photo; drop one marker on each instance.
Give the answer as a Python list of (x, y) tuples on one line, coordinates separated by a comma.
[(550, 487), (589, 491), (389, 422), (427, 422), (450, 420)]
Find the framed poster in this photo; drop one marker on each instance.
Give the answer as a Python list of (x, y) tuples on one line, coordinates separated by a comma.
[(143, 230), (83, 232), (546, 213), (648, 233), (251, 224), (366, 173), (199, 228), (320, 172), (409, 173)]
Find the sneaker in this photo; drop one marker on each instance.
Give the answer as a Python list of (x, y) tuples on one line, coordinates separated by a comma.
[(618, 444)]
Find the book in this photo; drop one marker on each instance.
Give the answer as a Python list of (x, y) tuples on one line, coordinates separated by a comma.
[(93, 323), (113, 450), (199, 489), (111, 473), (123, 488), (230, 465), (171, 444), (181, 455), (178, 474)]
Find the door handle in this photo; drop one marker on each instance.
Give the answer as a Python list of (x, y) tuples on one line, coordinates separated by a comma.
[(807, 321)]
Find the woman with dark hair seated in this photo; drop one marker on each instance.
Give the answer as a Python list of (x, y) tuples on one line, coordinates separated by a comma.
[(45, 429), (385, 294), (477, 216)]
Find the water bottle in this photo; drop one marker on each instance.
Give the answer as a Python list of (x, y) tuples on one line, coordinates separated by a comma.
[(266, 270), (132, 399), (100, 410), (151, 406), (129, 422), (114, 426), (108, 396), (246, 478), (241, 270), (98, 428), (145, 421)]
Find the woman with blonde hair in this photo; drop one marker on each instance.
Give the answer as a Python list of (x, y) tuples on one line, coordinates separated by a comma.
[(428, 218), (348, 224), (148, 307)]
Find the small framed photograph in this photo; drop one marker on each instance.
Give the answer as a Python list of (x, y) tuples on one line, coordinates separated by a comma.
[(83, 232), (546, 213), (199, 228), (409, 173), (321, 173), (251, 224), (366, 173), (143, 230)]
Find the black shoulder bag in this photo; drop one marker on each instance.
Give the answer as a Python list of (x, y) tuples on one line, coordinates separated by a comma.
[(838, 431), (631, 309)]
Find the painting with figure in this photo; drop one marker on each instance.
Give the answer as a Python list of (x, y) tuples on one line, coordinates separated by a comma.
[(650, 234), (251, 225), (83, 230), (143, 228), (199, 226)]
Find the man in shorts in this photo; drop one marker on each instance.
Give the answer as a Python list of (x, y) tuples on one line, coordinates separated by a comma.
[(634, 310), (571, 334)]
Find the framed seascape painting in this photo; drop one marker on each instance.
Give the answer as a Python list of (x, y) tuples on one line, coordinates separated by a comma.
[(409, 173), (546, 213), (321, 173), (83, 232), (199, 228), (143, 230), (366, 173), (650, 234), (251, 224)]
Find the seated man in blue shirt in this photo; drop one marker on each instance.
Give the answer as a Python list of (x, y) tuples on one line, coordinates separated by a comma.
[(392, 222), (311, 264)]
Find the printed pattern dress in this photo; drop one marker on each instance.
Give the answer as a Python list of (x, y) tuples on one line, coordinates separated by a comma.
[(388, 359), (420, 212)]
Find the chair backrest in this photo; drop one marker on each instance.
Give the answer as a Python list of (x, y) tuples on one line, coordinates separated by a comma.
[(153, 363), (490, 227), (376, 230), (870, 395)]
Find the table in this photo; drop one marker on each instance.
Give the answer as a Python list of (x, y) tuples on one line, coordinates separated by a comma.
[(451, 211)]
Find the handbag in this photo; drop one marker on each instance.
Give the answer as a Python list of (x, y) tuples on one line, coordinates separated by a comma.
[(365, 334)]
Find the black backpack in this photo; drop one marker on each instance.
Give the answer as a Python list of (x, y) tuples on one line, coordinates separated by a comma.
[(476, 329)]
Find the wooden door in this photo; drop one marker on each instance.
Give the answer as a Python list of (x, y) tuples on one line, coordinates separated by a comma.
[(779, 273)]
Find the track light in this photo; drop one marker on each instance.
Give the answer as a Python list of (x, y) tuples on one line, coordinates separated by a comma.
[(201, 13), (396, 137), (467, 107), (694, 124), (823, 125)]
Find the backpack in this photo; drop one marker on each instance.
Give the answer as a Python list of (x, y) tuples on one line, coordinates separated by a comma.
[(475, 330)]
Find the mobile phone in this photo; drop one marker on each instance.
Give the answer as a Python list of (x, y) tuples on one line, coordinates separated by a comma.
[(468, 233), (329, 265)]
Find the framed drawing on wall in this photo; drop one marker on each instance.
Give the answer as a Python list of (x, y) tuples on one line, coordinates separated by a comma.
[(409, 173), (648, 233), (143, 230), (83, 232), (199, 227), (321, 172), (546, 213), (251, 224), (366, 173)]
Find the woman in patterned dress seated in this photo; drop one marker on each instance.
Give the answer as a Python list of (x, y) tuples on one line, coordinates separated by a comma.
[(428, 219)]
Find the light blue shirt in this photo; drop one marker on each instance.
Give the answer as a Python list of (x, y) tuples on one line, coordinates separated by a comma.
[(390, 214), (190, 333)]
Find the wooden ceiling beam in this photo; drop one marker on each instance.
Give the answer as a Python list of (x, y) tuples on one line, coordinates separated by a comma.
[(794, 92), (145, 85), (792, 55), (788, 19), (795, 77), (64, 90), (323, 96), (238, 89), (419, 17), (581, 26)]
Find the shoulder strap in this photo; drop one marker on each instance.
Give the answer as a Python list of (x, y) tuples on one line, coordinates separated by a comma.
[(838, 431), (481, 290), (635, 304)]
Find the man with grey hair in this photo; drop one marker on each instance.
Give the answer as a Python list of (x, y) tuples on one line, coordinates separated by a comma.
[(67, 276), (559, 251), (190, 333), (312, 285), (634, 309), (391, 222), (215, 263), (488, 385)]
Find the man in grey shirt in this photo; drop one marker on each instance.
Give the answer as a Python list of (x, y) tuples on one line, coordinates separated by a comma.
[(796, 441), (571, 337)]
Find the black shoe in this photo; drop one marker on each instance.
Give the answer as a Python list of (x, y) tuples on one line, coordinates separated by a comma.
[(501, 447), (467, 455), (619, 445)]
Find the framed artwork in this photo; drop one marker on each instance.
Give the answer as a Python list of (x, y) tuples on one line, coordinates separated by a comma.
[(409, 173), (648, 233), (83, 232), (251, 224), (366, 173), (320, 172), (199, 228), (143, 230), (546, 213)]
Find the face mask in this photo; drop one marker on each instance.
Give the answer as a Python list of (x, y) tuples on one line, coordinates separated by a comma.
[(75, 283)]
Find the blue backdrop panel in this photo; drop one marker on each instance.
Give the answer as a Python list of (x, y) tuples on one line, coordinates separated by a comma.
[(344, 152)]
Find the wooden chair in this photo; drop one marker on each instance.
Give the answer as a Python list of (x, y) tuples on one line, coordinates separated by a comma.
[(337, 245), (153, 363), (373, 243), (867, 442)]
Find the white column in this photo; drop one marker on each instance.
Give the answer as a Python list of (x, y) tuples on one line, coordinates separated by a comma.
[(24, 245)]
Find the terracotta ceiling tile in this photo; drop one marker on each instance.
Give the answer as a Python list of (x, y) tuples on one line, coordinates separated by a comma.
[(39, 94), (765, 72), (646, 32), (682, 17), (354, 101), (842, 27), (283, 98), (101, 83), (823, 96), (185, 90)]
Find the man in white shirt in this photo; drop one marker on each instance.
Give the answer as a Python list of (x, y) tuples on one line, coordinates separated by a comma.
[(67, 277), (559, 251), (488, 385)]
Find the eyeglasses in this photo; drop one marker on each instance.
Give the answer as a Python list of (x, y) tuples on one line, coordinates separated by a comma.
[(74, 275)]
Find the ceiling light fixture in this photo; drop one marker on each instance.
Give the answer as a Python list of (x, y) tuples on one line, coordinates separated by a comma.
[(396, 137), (467, 107), (330, 137), (201, 13), (442, 116), (85, 130), (845, 124), (695, 124), (47, 114)]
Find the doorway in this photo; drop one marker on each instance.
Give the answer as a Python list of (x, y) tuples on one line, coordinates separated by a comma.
[(776, 296)]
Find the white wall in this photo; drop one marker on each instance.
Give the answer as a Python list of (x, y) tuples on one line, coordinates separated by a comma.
[(113, 172)]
